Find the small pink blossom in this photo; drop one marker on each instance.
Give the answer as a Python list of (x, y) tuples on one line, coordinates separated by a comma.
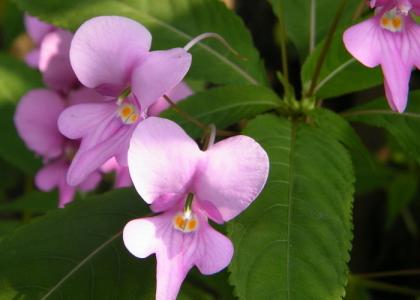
[(51, 54), (391, 39), (36, 121), (189, 186)]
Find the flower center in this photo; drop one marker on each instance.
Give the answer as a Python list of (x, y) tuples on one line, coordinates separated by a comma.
[(185, 222), (128, 114), (392, 20)]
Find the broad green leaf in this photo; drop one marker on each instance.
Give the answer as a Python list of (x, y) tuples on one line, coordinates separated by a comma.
[(340, 74), (77, 253), (7, 226), (401, 192), (32, 202), (12, 148), (404, 127), (294, 240), (339, 129), (224, 106), (173, 24), (307, 21), (16, 78)]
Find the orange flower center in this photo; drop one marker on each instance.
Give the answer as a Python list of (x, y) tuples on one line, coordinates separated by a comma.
[(128, 114), (185, 222)]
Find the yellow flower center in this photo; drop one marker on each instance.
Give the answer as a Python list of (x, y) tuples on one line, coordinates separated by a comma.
[(185, 222), (128, 114), (392, 21)]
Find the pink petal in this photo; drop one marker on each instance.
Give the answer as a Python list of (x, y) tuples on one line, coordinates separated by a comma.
[(162, 159), (122, 178), (79, 120), (54, 60), (91, 182), (66, 194), (362, 41), (160, 72), (214, 251), (232, 175), (105, 49), (32, 58), (89, 160), (36, 28), (178, 93), (86, 95), (51, 175), (36, 121)]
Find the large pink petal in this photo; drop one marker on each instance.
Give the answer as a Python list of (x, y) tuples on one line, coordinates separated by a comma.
[(37, 29), (232, 175), (362, 41), (89, 160), (105, 49), (86, 95), (178, 93), (160, 72), (397, 60), (54, 62), (214, 251), (79, 120), (36, 121), (162, 159)]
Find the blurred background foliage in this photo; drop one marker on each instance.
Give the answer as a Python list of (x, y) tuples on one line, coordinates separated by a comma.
[(386, 208)]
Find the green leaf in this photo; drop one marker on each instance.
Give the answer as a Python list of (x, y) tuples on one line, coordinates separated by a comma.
[(293, 242), (16, 78), (338, 128), (224, 106), (404, 127), (340, 74), (173, 24), (12, 148), (307, 21), (32, 202), (77, 253), (401, 192)]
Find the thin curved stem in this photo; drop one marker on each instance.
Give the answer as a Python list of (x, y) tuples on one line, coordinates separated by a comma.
[(283, 48), (213, 35), (325, 48), (194, 120)]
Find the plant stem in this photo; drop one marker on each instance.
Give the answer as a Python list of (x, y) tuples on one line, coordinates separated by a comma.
[(325, 48), (390, 273), (376, 285), (195, 121), (283, 48), (359, 10)]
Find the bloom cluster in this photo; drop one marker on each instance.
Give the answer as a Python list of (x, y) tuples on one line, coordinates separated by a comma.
[(391, 39), (99, 115)]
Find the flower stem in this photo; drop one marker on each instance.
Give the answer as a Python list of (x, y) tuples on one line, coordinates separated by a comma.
[(283, 48), (325, 48), (194, 120), (390, 273), (376, 285)]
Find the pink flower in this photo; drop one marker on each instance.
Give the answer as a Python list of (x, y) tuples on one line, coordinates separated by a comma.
[(36, 121), (122, 175), (51, 54), (189, 186), (391, 39)]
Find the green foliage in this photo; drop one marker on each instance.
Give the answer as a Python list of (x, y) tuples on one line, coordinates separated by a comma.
[(298, 232), (340, 74), (38, 202), (401, 192), (77, 252), (307, 21), (404, 127), (173, 24), (16, 78), (224, 106)]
